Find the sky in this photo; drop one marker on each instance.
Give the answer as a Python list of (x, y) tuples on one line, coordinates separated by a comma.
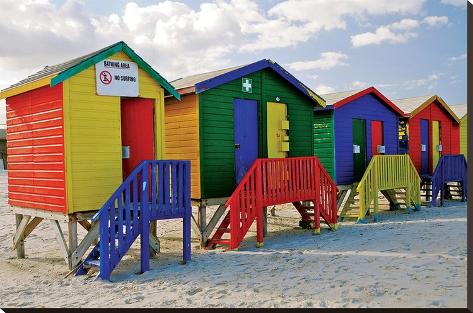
[(404, 48)]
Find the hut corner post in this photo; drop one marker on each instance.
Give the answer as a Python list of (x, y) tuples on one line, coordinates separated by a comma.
[(200, 225), (28, 219)]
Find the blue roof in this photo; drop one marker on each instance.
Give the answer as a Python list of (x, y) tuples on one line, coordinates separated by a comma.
[(206, 81)]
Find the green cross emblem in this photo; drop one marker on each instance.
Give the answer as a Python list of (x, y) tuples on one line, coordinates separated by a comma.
[(246, 85)]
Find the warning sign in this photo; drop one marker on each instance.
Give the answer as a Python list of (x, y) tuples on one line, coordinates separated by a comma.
[(117, 78)]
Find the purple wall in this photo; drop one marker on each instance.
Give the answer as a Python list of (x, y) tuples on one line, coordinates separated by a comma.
[(369, 108)]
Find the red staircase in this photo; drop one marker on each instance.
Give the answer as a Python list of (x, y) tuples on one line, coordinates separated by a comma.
[(272, 182)]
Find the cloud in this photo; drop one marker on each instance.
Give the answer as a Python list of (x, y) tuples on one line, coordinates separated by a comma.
[(324, 89), (435, 21), (381, 35), (428, 81), (458, 58), (458, 3), (358, 85), (398, 32), (327, 61), (175, 38)]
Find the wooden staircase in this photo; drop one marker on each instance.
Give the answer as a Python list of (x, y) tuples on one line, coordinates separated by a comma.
[(393, 176), (272, 182), (154, 190), (449, 179)]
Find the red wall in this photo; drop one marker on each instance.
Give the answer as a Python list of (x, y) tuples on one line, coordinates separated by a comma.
[(450, 133), (35, 149)]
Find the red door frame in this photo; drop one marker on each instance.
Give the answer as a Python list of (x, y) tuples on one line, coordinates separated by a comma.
[(137, 130)]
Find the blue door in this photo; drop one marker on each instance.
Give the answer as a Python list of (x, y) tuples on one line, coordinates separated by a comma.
[(245, 117), (424, 148)]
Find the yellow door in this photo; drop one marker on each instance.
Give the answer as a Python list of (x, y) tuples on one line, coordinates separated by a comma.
[(436, 144), (277, 130)]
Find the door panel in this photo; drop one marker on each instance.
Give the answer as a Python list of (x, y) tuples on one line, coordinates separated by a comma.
[(436, 141), (376, 136), (245, 135), (425, 145), (359, 140), (276, 135), (137, 132)]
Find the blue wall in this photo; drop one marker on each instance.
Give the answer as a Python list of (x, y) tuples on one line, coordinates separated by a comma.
[(369, 108)]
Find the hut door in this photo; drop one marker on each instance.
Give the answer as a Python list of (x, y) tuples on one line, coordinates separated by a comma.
[(436, 144), (359, 148), (277, 127), (376, 137), (245, 127), (137, 132), (424, 147)]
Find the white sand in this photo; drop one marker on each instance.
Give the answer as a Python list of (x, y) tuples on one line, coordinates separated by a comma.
[(406, 260)]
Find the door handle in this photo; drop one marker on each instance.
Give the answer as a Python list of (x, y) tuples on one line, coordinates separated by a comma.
[(237, 146)]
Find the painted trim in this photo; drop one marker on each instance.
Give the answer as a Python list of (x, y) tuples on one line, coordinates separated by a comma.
[(148, 69), (26, 87), (254, 67), (67, 146), (119, 46), (366, 91), (431, 100)]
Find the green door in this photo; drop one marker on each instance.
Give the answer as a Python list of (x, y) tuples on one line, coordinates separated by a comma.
[(359, 149)]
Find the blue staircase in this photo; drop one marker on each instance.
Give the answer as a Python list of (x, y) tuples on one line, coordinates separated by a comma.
[(155, 190), (450, 168)]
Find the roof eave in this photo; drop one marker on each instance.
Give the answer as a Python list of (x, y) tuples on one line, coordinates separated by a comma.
[(254, 67), (366, 91), (442, 103)]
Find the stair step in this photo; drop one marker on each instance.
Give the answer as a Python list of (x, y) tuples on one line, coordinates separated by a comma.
[(219, 242), (94, 263)]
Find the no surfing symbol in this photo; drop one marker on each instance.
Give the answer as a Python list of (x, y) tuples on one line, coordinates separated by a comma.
[(105, 77)]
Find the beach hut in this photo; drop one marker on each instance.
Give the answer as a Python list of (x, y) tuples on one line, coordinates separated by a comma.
[(461, 112), (3, 148), (75, 131), (353, 127), (433, 130), (228, 118)]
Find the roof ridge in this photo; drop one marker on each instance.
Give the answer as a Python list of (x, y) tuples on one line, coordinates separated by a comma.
[(208, 72), (430, 96)]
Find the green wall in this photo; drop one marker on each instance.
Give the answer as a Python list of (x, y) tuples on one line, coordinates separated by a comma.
[(324, 141), (217, 150)]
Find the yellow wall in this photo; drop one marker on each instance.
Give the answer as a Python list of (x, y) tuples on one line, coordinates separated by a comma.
[(92, 129), (464, 136), (182, 135)]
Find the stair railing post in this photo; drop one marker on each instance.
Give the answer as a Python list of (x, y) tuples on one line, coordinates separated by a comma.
[(187, 213), (144, 236), (104, 244), (317, 200), (259, 206)]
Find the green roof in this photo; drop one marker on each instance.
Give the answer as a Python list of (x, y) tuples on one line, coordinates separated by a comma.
[(69, 68)]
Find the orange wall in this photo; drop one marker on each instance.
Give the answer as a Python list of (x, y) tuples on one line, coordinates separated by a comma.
[(35, 149), (182, 135)]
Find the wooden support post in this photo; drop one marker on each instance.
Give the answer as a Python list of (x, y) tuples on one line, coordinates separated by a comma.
[(89, 239), (60, 239), (20, 247), (72, 236), (265, 221), (153, 239), (202, 220)]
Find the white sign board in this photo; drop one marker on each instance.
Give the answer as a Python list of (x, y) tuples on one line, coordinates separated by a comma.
[(439, 148), (117, 78), (381, 149), (423, 148), (356, 149)]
